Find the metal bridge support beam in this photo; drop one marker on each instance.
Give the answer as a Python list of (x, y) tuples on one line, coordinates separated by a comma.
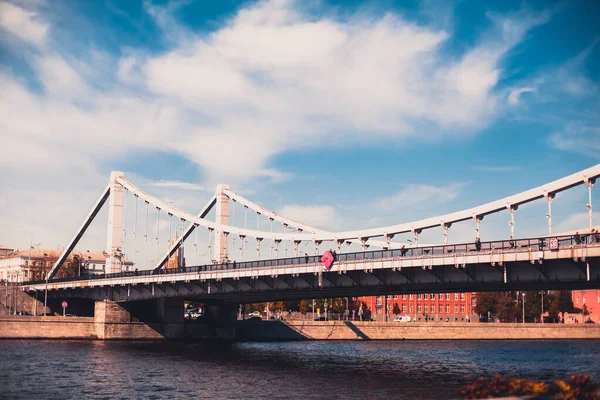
[(589, 183), (549, 197), (221, 250), (114, 239)]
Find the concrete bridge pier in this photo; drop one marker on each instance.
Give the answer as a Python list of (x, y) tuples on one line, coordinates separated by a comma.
[(150, 319), (161, 319), (221, 320)]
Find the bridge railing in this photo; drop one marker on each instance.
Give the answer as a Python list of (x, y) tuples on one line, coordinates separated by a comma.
[(413, 252)]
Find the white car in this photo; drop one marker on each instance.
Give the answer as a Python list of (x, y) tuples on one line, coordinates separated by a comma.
[(402, 318)]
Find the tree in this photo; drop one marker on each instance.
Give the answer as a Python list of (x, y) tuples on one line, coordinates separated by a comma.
[(563, 303), (303, 307), (70, 268), (507, 309), (396, 309), (366, 312), (487, 303)]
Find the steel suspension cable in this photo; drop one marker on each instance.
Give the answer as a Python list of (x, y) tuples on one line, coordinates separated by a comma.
[(157, 230), (169, 238), (272, 240), (233, 223), (124, 222), (196, 243), (182, 244), (135, 227), (146, 237)]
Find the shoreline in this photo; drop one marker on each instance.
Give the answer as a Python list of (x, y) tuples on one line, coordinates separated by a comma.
[(86, 328)]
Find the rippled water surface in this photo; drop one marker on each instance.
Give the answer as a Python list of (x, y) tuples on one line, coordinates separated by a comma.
[(281, 370)]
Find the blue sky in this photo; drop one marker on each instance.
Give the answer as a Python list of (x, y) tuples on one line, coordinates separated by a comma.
[(342, 114)]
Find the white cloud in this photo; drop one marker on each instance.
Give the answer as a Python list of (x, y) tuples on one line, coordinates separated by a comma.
[(413, 195), (515, 94), (578, 138), (272, 80), (573, 222), (319, 216), (24, 24), (179, 185)]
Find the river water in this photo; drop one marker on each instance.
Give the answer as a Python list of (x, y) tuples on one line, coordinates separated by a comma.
[(278, 370)]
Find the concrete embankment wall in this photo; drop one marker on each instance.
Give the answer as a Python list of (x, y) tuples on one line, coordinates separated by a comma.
[(340, 330), (13, 299), (24, 327), (90, 328), (47, 328)]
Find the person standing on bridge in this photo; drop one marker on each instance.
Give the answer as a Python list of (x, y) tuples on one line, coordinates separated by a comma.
[(597, 236), (306, 257), (477, 244), (577, 238), (403, 250)]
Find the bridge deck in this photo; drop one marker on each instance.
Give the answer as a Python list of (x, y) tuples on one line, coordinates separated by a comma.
[(524, 256)]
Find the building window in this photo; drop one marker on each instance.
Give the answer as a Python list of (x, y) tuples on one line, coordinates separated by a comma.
[(473, 302), (395, 296), (389, 296), (26, 263), (441, 309), (404, 297), (426, 308), (410, 296), (447, 296), (455, 296), (419, 296), (411, 308), (378, 301), (426, 296), (462, 296), (403, 308), (447, 309), (432, 296), (26, 273), (441, 296), (419, 308), (455, 309), (462, 309)]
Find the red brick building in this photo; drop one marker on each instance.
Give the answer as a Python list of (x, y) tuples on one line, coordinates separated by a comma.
[(591, 299), (423, 307)]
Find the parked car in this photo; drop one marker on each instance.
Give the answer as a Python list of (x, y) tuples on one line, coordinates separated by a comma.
[(402, 318), (254, 314)]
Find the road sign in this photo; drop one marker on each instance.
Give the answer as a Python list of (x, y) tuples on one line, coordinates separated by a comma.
[(327, 260), (553, 244)]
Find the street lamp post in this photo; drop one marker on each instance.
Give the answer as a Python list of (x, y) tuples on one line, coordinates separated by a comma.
[(523, 295), (46, 293), (6, 294), (347, 313), (542, 316)]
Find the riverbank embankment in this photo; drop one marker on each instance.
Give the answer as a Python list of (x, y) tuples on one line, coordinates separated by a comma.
[(56, 327)]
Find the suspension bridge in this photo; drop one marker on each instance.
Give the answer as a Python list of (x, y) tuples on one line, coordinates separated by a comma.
[(551, 261)]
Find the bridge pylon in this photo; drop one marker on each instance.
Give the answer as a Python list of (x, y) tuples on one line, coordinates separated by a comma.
[(221, 250), (114, 237)]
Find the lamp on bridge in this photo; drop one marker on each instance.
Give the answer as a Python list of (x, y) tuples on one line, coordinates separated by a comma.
[(523, 295)]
